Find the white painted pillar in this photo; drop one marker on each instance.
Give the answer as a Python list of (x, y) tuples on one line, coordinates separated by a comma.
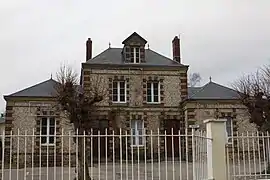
[(216, 155)]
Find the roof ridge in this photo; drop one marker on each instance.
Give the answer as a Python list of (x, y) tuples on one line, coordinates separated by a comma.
[(32, 86)]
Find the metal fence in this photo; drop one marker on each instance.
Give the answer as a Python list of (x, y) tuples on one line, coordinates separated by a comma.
[(107, 155), (248, 156)]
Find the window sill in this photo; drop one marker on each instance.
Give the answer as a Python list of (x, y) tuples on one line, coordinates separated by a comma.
[(153, 103)]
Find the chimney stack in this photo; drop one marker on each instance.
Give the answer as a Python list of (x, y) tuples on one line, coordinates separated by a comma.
[(176, 49), (88, 49)]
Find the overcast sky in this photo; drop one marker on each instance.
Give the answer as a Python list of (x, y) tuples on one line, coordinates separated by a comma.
[(219, 38)]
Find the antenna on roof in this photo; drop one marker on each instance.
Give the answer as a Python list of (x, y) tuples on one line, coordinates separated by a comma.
[(51, 75), (210, 78), (148, 46), (109, 45)]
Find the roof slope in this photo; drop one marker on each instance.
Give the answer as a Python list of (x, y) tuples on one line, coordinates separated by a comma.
[(43, 89), (114, 56), (212, 91)]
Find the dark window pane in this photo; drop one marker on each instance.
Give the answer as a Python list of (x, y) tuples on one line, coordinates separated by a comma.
[(114, 97), (52, 122), (122, 85), (114, 91), (127, 55), (52, 130), (137, 50), (140, 140), (43, 140), (155, 85), (155, 92), (122, 91), (148, 85), (44, 121), (127, 49), (155, 98), (137, 59), (122, 98), (51, 140), (149, 98), (114, 85), (44, 131)]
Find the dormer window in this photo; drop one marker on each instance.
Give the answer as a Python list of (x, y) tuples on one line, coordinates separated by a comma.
[(133, 51), (135, 55)]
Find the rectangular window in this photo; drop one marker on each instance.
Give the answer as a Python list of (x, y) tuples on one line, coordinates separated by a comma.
[(135, 55), (137, 128), (47, 130), (153, 92), (119, 92), (229, 128)]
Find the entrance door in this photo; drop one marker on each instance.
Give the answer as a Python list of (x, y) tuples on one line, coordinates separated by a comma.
[(172, 127)]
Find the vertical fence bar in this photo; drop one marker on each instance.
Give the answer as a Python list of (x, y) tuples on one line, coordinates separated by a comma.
[(62, 153), (264, 153), (84, 157), (249, 160), (120, 144), (244, 156), (33, 141), (233, 157), (145, 148), (152, 155), (69, 156), (126, 138), (165, 148), (40, 137), (47, 147), (10, 154), (113, 156), (3, 153), (54, 162), (92, 152), (238, 154), (99, 155), (180, 154), (138, 155), (254, 155), (77, 153), (132, 157), (158, 154), (106, 154), (193, 153), (259, 153), (268, 155), (25, 152), (18, 153), (186, 135), (173, 169)]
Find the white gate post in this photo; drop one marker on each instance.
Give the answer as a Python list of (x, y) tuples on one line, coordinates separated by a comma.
[(216, 155)]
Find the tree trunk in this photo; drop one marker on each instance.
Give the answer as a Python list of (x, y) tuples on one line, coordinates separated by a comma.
[(83, 169)]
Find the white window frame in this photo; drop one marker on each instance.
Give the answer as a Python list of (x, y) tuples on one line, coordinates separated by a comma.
[(152, 92), (118, 92), (137, 136), (133, 51), (47, 143)]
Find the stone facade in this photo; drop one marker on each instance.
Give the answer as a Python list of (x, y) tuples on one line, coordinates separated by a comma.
[(24, 118)]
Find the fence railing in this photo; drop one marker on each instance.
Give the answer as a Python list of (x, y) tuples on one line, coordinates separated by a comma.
[(248, 156), (107, 155)]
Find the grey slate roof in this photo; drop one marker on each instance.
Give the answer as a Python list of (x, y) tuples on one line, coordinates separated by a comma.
[(43, 89), (114, 56), (212, 91)]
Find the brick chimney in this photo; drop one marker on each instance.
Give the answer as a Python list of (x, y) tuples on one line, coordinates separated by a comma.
[(88, 49), (176, 49)]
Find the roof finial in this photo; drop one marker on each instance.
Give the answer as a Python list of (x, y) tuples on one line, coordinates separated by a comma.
[(51, 75), (109, 44), (148, 45), (210, 78)]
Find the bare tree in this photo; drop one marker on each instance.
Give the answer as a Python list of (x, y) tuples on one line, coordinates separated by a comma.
[(80, 107), (254, 90), (194, 79)]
